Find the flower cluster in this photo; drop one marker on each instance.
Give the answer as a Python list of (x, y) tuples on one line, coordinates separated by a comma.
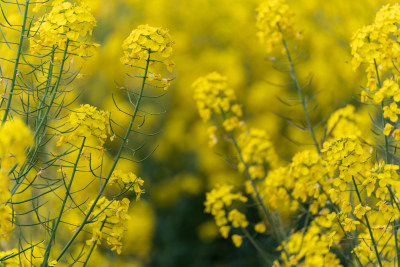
[(214, 96), (257, 151), (218, 201), (152, 45), (298, 182), (344, 122), (377, 46), (346, 196), (377, 43), (110, 216), (146, 40), (389, 95), (15, 137), (66, 21), (307, 249), (127, 181), (348, 156), (88, 121), (274, 18)]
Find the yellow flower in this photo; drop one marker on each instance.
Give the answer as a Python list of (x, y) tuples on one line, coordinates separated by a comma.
[(213, 95), (15, 138), (64, 21), (6, 221), (237, 240), (345, 206), (260, 228), (359, 211), (127, 180), (88, 121), (396, 134), (388, 129), (344, 123), (146, 40), (231, 123), (257, 151), (237, 219), (213, 139), (391, 112), (274, 17), (369, 184), (220, 199), (377, 43), (224, 230), (114, 215), (349, 224)]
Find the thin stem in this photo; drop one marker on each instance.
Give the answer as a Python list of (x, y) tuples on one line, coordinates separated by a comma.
[(67, 193), (16, 63), (258, 196), (368, 225), (256, 246), (34, 150), (395, 221), (300, 94), (93, 245), (124, 141), (383, 118)]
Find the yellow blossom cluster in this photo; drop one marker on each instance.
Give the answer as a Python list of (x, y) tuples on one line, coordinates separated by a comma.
[(353, 169), (147, 45), (146, 40), (111, 217), (365, 250), (88, 121), (127, 181), (348, 156), (347, 197), (15, 137), (343, 122), (218, 201), (300, 181), (389, 89), (377, 46), (389, 95), (378, 177), (307, 249), (214, 96), (323, 183), (65, 21), (274, 18), (377, 43), (257, 152)]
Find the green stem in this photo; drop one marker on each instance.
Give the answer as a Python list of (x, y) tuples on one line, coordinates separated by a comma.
[(383, 118), (34, 150), (368, 225), (93, 245), (300, 94), (279, 237), (53, 231), (124, 141), (386, 137), (395, 227), (16, 63), (256, 246)]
